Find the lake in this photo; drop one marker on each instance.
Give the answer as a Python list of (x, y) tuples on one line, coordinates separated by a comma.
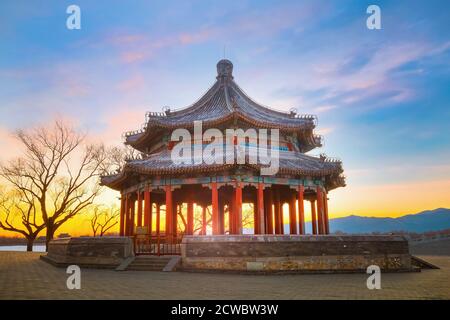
[(36, 248)]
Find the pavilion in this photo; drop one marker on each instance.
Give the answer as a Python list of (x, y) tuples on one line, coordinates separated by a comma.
[(154, 190)]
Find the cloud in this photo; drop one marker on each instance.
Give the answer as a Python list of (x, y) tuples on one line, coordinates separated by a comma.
[(325, 131), (8, 144), (131, 84), (324, 108)]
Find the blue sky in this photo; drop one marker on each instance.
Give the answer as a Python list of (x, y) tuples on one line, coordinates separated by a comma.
[(382, 96)]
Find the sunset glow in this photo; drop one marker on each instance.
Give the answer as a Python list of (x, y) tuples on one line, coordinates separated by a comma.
[(382, 98)]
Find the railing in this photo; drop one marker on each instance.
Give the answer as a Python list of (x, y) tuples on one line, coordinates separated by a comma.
[(158, 245)]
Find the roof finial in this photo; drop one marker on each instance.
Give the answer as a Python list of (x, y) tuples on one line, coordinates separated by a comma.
[(224, 69)]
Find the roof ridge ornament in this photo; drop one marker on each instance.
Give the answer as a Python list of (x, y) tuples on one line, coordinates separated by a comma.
[(224, 70)]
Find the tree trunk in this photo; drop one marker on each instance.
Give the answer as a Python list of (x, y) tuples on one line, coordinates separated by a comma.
[(30, 242), (49, 236)]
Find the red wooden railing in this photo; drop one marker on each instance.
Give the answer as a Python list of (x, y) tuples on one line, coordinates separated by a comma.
[(158, 245)]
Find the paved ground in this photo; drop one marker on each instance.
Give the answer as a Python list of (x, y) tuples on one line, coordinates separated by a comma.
[(24, 276)]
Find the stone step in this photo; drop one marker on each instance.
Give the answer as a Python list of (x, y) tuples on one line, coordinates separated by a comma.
[(144, 268), (151, 261), (148, 263), (154, 265)]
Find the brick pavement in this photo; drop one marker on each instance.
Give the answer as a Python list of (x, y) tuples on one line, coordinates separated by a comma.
[(24, 276)]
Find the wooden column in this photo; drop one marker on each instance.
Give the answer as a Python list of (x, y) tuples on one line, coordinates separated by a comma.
[(238, 208), (301, 210), (260, 215), (132, 214), (215, 208), (190, 217), (127, 215), (231, 213), (148, 211), (327, 222), (278, 213), (169, 212), (292, 214), (122, 216), (319, 209), (269, 211), (313, 217), (139, 208), (176, 207)]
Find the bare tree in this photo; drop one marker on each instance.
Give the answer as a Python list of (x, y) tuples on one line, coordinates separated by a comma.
[(103, 219), (117, 157), (57, 170), (18, 214)]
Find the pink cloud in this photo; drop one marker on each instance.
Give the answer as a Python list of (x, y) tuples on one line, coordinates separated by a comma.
[(9, 143), (131, 84)]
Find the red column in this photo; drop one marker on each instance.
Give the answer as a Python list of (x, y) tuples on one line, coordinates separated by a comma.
[(327, 222), (127, 215), (139, 211), (319, 209), (269, 211), (238, 208), (175, 209), (215, 208), (301, 210), (292, 214), (260, 215), (231, 213), (313, 217), (190, 217), (122, 215), (278, 213), (132, 214), (169, 212), (276, 209), (147, 211)]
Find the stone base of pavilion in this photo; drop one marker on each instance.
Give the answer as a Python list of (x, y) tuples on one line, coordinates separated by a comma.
[(295, 253), (89, 252)]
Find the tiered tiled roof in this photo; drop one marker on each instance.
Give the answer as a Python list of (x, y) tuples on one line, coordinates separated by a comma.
[(223, 102), (290, 163)]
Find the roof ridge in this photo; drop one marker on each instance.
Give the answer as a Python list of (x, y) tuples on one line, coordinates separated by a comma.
[(205, 97), (227, 98)]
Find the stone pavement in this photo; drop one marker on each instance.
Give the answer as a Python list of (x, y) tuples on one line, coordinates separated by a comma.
[(24, 276)]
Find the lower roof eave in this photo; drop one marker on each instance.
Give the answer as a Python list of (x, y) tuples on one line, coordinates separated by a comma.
[(115, 182)]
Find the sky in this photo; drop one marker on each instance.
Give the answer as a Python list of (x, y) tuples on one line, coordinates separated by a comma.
[(382, 96)]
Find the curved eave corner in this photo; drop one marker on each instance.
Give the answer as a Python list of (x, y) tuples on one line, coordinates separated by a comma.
[(113, 181)]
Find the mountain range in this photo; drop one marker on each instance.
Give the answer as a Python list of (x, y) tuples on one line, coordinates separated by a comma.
[(430, 220)]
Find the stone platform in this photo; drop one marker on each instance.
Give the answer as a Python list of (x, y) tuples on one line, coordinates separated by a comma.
[(295, 253), (89, 252)]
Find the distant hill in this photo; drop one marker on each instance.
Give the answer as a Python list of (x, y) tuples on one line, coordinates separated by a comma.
[(431, 220)]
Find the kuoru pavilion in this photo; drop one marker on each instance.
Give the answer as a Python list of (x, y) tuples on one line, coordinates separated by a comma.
[(197, 215), (155, 179)]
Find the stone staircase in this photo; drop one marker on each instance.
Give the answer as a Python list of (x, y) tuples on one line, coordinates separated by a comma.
[(149, 263)]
